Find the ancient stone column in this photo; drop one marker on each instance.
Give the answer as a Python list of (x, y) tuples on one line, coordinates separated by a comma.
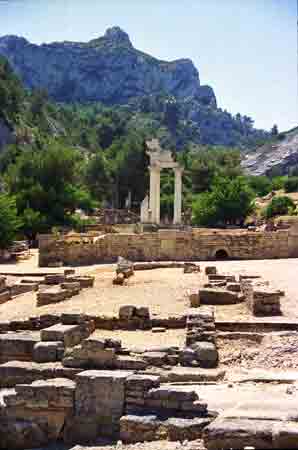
[(157, 194), (154, 201), (178, 195)]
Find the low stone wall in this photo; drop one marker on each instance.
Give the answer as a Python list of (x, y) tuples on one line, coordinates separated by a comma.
[(175, 245)]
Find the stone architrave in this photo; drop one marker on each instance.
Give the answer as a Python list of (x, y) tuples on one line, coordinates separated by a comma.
[(161, 159)]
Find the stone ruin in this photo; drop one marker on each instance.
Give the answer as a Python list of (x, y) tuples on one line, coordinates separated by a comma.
[(63, 382)]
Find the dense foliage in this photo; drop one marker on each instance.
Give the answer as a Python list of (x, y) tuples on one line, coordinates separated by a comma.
[(9, 220), (228, 202)]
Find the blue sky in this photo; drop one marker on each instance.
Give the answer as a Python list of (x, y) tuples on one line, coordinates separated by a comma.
[(245, 49)]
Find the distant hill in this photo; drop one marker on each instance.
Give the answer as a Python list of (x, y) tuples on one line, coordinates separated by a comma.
[(111, 71), (276, 157)]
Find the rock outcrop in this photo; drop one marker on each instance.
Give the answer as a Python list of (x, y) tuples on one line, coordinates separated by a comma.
[(108, 69), (278, 157)]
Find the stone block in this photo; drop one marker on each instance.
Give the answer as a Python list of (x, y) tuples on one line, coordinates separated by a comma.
[(100, 397), (222, 277), (16, 372), (130, 363), (47, 351), (181, 429), (17, 346), (134, 428), (55, 278), (127, 312), (85, 281), (206, 354), (53, 294), (194, 299), (70, 335), (73, 287), (218, 297), (210, 270), (235, 433)]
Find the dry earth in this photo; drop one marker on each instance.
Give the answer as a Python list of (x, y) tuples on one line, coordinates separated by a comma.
[(163, 290)]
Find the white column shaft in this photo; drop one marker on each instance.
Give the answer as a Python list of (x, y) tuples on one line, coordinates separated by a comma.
[(157, 197), (152, 197), (178, 197)]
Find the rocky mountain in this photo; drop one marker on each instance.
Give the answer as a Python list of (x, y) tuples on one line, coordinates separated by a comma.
[(111, 71), (108, 69), (278, 157)]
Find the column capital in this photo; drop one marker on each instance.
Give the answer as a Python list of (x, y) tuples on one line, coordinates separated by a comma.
[(178, 170), (155, 168)]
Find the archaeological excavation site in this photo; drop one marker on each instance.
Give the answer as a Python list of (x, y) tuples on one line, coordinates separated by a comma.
[(148, 355)]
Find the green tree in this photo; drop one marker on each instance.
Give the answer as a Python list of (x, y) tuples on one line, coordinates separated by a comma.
[(291, 184), (9, 220), (261, 185), (279, 206), (47, 182), (229, 202)]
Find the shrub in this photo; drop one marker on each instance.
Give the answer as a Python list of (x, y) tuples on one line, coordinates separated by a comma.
[(279, 206), (291, 184)]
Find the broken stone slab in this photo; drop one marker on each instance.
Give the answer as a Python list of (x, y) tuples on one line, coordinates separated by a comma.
[(171, 394), (127, 312), (222, 277), (194, 299), (22, 287), (55, 278), (53, 294), (188, 375), (218, 297), (47, 351), (210, 270), (206, 354), (70, 335), (137, 428), (158, 359), (73, 287), (265, 376), (130, 363), (140, 428), (182, 429), (17, 346), (235, 433), (191, 268), (85, 281), (119, 280), (16, 372)]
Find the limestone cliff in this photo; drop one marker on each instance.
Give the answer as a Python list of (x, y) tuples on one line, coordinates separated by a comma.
[(108, 69), (278, 157)]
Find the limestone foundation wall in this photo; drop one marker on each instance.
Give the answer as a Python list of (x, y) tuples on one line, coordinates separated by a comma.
[(195, 244)]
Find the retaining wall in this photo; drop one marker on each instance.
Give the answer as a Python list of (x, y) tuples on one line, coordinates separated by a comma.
[(195, 244)]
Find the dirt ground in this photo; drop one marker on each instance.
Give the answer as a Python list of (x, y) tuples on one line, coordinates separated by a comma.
[(164, 291), (144, 339)]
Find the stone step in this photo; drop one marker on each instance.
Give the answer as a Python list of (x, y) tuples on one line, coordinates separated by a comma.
[(16, 372), (225, 434), (17, 346), (141, 428)]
